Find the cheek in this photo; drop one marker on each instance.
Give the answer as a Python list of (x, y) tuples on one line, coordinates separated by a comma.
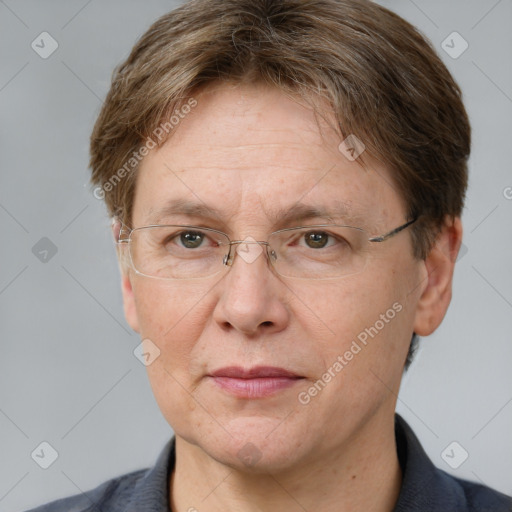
[(363, 343), (360, 336), (173, 316), (365, 319), (169, 312), (335, 312)]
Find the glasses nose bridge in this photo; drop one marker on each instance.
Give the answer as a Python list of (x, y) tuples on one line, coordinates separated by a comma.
[(229, 258)]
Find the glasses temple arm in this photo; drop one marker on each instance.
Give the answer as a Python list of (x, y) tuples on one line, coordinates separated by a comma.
[(393, 232)]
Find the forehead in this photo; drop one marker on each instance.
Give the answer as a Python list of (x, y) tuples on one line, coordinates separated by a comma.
[(250, 150)]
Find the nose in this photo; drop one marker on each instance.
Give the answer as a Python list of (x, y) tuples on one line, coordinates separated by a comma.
[(252, 297)]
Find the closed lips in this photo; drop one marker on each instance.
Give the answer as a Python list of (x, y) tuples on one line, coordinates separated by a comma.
[(257, 372), (256, 382)]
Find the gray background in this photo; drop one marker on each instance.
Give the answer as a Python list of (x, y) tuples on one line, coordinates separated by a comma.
[(68, 375)]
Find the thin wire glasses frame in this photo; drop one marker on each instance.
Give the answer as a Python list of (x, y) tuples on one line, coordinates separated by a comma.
[(128, 237)]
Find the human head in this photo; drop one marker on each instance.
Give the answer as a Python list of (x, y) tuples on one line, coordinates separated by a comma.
[(375, 73)]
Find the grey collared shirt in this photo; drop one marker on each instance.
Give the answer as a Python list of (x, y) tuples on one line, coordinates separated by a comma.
[(425, 488)]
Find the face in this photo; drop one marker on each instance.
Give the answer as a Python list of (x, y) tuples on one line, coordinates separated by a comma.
[(337, 347)]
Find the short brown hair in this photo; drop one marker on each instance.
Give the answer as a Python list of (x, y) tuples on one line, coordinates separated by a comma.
[(384, 81)]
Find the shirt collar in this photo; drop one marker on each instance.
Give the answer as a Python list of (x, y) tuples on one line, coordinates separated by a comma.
[(151, 493), (424, 487)]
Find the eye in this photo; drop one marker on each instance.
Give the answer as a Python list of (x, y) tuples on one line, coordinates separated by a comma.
[(191, 239), (174, 240), (316, 239)]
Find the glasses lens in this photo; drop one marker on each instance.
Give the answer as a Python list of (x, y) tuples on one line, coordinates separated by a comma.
[(319, 252), (177, 252)]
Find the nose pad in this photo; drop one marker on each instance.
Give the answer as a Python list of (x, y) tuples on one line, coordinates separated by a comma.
[(227, 260)]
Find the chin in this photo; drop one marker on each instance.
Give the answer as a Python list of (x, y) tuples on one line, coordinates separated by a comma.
[(255, 445), (249, 458)]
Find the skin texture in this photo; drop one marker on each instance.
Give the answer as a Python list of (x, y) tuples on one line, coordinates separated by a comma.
[(248, 151)]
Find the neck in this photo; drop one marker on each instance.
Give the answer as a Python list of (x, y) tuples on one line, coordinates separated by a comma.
[(363, 475)]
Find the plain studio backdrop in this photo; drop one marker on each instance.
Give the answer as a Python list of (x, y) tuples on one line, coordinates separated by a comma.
[(69, 376)]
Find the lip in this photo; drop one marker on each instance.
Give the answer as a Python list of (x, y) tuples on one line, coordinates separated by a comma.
[(256, 372), (256, 382)]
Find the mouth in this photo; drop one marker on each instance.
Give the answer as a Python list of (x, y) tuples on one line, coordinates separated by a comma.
[(256, 382)]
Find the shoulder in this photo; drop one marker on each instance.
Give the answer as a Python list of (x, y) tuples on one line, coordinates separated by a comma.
[(142, 490), (428, 488), (480, 498), (111, 496)]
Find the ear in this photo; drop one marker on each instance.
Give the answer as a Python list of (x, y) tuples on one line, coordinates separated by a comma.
[(439, 265), (130, 310)]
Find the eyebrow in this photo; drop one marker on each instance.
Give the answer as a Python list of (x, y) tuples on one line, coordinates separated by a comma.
[(297, 213), (185, 208), (300, 212)]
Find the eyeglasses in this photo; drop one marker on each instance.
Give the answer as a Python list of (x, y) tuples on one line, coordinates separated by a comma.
[(322, 251)]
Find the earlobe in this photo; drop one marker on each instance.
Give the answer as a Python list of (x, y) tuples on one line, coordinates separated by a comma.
[(439, 265)]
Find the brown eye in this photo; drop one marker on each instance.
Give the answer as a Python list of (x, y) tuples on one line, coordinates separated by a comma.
[(316, 239)]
